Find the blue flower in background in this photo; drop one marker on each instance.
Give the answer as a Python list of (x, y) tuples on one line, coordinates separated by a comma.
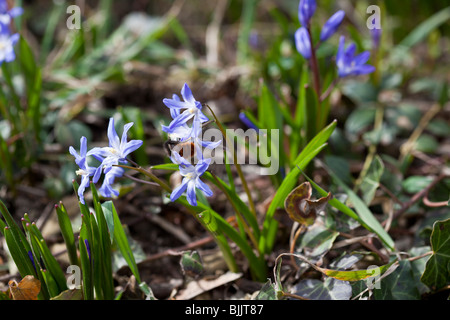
[(85, 171), (348, 64), (247, 121), (193, 109), (7, 43), (303, 43), (117, 151), (306, 9), (376, 37), (7, 15), (330, 27), (7, 40), (191, 179)]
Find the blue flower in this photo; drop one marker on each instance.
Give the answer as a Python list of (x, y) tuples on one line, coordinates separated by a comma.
[(181, 132), (303, 43), (117, 151), (376, 37), (106, 189), (7, 43), (247, 121), (191, 179), (330, 27), (6, 15), (85, 171), (306, 9), (348, 64), (88, 248), (193, 108)]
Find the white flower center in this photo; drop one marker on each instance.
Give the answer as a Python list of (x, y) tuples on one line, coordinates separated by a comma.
[(4, 43), (190, 175), (81, 172), (113, 151)]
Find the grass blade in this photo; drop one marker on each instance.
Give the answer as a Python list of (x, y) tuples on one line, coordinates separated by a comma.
[(65, 226), (309, 152)]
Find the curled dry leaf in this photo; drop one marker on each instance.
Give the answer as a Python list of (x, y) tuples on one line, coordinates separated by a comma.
[(301, 208), (27, 289)]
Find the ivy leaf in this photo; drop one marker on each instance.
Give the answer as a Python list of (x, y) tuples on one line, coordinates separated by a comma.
[(330, 289), (191, 264), (437, 269), (267, 292), (399, 285), (316, 242)]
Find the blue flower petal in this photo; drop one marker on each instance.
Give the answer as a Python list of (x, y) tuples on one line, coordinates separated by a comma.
[(204, 187), (187, 95), (332, 25), (190, 194), (181, 119), (178, 191), (114, 141), (175, 104), (302, 42)]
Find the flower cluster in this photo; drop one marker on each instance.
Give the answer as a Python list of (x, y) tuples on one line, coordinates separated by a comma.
[(7, 39), (116, 153), (346, 61), (181, 134)]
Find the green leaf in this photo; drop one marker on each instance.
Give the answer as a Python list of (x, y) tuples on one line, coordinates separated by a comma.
[(308, 153), (414, 184), (120, 238), (316, 241), (267, 292), (418, 267), (364, 214), (20, 258), (426, 143), (359, 120), (399, 285), (371, 181), (17, 243), (330, 289), (191, 264), (118, 261), (86, 268), (65, 226), (70, 294), (423, 29), (437, 269), (311, 114), (354, 275)]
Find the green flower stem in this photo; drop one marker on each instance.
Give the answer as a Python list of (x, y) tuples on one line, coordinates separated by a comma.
[(314, 65), (238, 166), (330, 88), (147, 173)]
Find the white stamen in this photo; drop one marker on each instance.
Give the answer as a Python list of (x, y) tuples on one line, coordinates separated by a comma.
[(81, 172)]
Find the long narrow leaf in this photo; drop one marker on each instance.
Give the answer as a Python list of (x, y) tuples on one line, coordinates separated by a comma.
[(309, 152), (121, 240), (65, 226), (364, 214)]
